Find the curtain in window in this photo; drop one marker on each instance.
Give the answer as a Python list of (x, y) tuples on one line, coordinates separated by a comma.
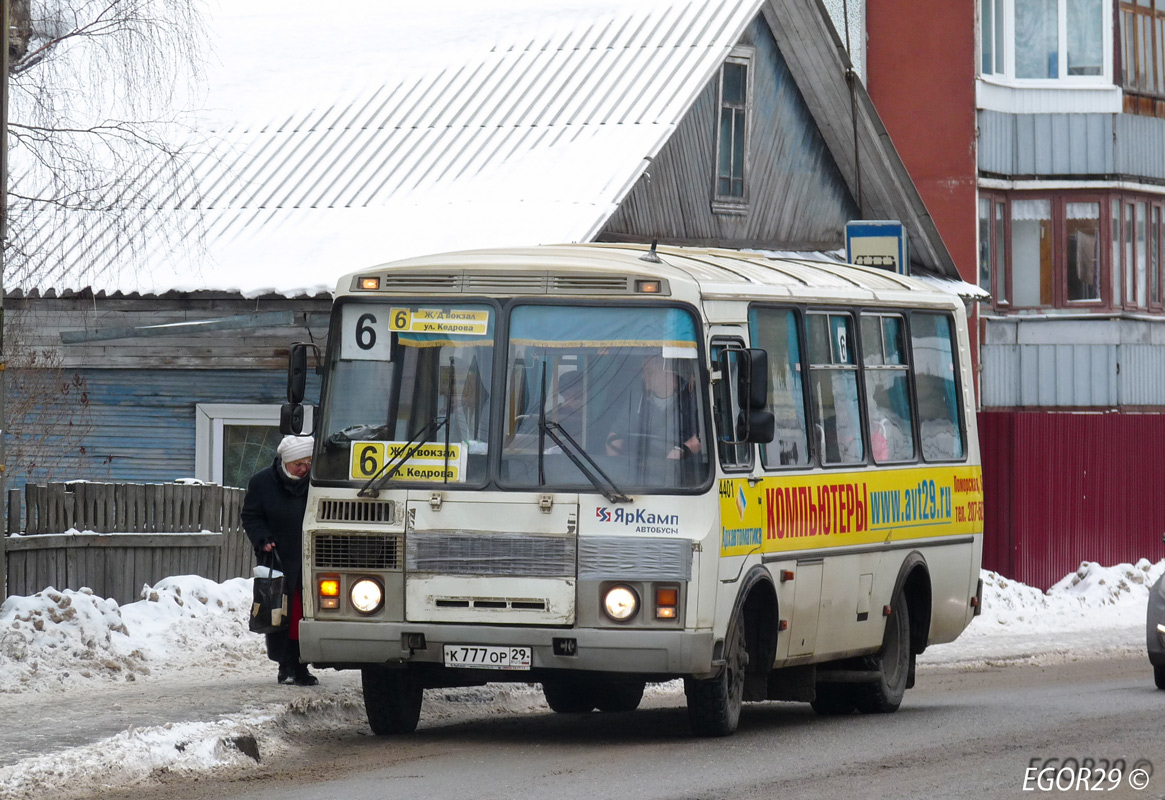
[(1085, 45), (1037, 39)]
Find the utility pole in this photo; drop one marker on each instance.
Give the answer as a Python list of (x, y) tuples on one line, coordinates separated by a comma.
[(5, 33)]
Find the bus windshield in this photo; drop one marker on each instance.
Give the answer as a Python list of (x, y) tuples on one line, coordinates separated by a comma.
[(409, 372), (589, 398), (617, 385)]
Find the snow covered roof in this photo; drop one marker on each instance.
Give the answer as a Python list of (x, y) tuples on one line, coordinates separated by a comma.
[(452, 125), (327, 143)]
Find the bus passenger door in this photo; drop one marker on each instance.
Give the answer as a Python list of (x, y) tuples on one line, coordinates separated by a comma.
[(806, 607)]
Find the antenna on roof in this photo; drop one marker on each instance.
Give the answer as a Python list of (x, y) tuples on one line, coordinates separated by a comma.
[(651, 256)]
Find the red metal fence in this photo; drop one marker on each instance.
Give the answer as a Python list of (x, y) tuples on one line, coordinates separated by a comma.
[(1061, 488)]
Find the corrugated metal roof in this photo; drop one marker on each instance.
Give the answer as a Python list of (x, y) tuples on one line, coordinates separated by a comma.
[(553, 125)]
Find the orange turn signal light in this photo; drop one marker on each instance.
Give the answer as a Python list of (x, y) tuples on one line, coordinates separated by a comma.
[(370, 284), (329, 587), (648, 287), (667, 600)]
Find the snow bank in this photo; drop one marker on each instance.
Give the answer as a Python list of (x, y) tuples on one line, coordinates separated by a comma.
[(65, 638), (1092, 612)]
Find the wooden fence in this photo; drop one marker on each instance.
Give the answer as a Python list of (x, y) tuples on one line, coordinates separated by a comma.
[(116, 537)]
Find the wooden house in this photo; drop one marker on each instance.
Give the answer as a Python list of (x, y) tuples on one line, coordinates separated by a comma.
[(730, 123)]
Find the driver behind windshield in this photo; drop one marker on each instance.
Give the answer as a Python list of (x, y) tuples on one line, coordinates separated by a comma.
[(664, 422)]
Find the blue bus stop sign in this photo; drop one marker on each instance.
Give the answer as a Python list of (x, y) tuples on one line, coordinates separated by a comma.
[(877, 243)]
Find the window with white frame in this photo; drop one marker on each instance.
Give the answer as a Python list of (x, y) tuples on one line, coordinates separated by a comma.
[(1046, 40), (233, 441)]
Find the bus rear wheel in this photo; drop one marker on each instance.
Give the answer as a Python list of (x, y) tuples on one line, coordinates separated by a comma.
[(392, 700), (892, 665), (1159, 676), (714, 703)]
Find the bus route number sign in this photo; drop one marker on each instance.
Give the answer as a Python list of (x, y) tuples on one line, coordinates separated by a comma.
[(427, 463)]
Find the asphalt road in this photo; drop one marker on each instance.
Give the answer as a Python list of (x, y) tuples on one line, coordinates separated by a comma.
[(960, 734)]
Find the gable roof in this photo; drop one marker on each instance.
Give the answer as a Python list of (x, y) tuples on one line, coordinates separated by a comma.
[(532, 138)]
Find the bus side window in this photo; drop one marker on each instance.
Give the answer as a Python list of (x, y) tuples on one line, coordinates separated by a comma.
[(775, 330), (888, 402), (726, 411), (833, 389), (939, 406)]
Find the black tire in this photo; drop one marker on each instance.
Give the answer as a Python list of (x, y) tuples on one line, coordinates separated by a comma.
[(1159, 676), (714, 704), (892, 663), (392, 700), (569, 695), (834, 700), (619, 695)]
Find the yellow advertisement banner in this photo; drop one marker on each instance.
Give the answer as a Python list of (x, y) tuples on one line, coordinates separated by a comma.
[(439, 320), (428, 463), (840, 509)]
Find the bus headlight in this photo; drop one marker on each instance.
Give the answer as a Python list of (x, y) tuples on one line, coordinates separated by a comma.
[(367, 596), (621, 603)]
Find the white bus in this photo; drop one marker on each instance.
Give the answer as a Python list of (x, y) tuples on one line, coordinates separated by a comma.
[(599, 466)]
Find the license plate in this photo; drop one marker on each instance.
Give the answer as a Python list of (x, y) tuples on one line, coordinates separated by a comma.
[(487, 657)]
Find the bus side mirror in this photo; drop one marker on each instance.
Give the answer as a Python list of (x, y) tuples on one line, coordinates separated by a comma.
[(762, 426), (291, 413), (291, 419), (296, 373), (754, 379)]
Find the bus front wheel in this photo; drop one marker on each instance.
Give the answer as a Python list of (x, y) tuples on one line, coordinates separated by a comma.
[(714, 703), (892, 665), (569, 695), (392, 700)]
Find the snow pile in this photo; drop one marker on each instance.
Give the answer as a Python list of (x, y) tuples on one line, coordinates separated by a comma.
[(1094, 611), (69, 638), (136, 756)]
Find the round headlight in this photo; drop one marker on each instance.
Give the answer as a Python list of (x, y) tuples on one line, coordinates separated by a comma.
[(366, 595), (620, 603)]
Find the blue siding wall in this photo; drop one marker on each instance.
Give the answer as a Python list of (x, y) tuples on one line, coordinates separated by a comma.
[(141, 423)]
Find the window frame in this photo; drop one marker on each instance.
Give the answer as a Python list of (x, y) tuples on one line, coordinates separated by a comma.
[(1115, 251), (852, 312), (729, 203), (1002, 17), (1130, 52), (906, 368), (211, 418), (802, 366), (723, 389), (960, 390)]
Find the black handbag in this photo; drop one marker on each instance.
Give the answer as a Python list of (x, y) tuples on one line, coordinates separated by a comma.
[(269, 612)]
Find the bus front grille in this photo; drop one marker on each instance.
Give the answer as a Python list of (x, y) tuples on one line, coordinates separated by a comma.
[(357, 511), (355, 551), (491, 554)]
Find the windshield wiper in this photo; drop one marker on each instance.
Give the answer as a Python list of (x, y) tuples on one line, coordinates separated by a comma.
[(448, 414), (390, 468), (610, 491), (553, 429)]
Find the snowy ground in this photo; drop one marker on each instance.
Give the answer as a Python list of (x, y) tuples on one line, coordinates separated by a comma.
[(63, 652)]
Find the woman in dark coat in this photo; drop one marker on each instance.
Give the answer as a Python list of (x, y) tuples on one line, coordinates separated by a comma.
[(273, 510)]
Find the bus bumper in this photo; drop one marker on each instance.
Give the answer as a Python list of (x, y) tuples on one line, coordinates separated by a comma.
[(351, 644)]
